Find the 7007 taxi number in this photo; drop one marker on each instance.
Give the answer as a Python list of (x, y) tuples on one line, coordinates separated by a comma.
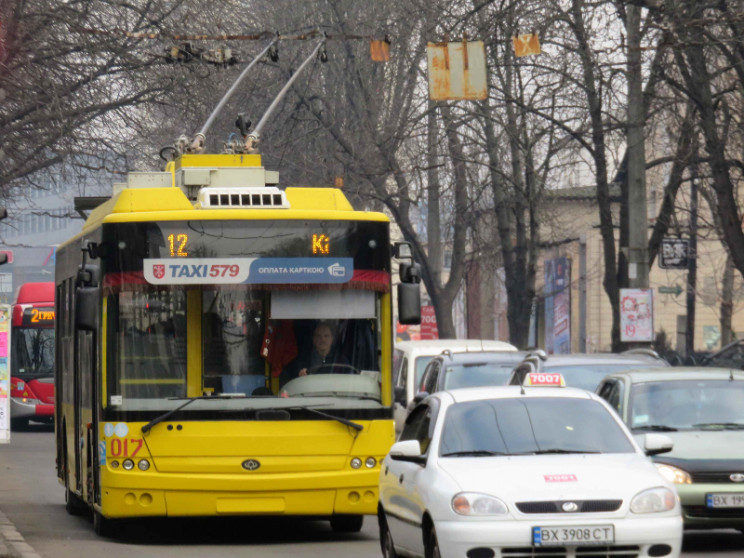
[(574, 535)]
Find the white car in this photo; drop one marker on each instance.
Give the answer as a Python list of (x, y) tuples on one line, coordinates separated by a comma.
[(411, 357), (522, 471)]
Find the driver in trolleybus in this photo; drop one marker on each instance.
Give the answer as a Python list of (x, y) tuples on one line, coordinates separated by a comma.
[(323, 356)]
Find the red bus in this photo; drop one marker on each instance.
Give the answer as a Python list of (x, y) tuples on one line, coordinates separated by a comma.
[(32, 355)]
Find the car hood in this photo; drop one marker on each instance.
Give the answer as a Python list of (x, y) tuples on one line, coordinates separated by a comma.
[(703, 444), (554, 477)]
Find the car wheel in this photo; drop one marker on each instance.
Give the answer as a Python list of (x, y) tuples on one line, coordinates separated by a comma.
[(386, 539), (347, 523), (432, 548)]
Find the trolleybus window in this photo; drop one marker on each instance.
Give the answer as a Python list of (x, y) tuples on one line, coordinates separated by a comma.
[(150, 330)]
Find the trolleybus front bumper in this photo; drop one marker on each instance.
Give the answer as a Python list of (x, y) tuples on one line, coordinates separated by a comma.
[(137, 494)]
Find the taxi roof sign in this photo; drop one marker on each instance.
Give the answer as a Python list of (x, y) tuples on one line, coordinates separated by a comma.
[(544, 379)]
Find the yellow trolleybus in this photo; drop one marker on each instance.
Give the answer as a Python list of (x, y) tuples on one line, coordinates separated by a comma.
[(183, 307)]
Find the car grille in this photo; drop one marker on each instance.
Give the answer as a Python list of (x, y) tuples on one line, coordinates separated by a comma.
[(572, 552), (702, 511), (585, 506), (714, 477)]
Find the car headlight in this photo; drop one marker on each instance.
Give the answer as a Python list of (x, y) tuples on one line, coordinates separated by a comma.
[(653, 500), (673, 474), (472, 503)]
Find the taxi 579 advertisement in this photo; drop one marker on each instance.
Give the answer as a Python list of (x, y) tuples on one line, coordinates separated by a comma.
[(248, 270)]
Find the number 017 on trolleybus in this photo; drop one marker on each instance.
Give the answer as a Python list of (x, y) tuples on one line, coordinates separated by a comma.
[(32, 355), (191, 381)]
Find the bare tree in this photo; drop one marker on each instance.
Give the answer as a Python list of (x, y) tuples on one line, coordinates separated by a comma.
[(709, 52), (72, 75)]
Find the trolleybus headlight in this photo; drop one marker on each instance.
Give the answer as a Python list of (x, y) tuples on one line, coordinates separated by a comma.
[(114, 464), (143, 464), (356, 463), (370, 462), (128, 464)]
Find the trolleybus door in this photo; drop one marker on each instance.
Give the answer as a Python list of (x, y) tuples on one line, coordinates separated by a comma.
[(84, 408)]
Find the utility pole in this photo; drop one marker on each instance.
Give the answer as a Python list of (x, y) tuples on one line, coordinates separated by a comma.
[(638, 267)]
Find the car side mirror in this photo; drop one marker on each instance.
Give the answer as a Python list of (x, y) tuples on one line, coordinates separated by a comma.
[(407, 450), (654, 444), (399, 395)]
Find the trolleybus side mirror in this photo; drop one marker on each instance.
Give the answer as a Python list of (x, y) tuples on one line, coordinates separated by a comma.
[(409, 303), (409, 294), (86, 308)]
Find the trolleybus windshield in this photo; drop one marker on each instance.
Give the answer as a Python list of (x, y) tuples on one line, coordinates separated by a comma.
[(250, 294)]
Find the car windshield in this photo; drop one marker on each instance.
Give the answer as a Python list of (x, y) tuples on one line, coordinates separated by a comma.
[(531, 425), (477, 374), (588, 376), (688, 404)]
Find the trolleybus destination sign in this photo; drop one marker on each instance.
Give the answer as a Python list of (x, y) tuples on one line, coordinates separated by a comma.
[(247, 270)]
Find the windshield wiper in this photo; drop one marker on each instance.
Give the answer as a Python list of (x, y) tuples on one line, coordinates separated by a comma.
[(560, 450), (344, 395), (347, 422), (724, 425), (471, 453), (656, 427), (189, 401)]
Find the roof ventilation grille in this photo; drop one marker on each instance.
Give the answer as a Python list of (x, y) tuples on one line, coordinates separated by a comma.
[(254, 198)]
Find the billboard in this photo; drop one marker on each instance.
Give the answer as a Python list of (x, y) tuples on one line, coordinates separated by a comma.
[(636, 315), (558, 306), (4, 373)]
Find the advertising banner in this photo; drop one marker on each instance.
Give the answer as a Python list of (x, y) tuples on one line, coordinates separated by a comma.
[(429, 328), (558, 306), (636, 315), (4, 373)]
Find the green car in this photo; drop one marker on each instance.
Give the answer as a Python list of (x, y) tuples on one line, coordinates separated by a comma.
[(702, 411)]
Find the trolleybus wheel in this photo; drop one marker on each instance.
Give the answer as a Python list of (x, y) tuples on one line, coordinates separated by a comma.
[(347, 523), (73, 504), (102, 526)]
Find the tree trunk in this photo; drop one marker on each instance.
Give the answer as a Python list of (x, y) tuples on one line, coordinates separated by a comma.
[(727, 302)]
